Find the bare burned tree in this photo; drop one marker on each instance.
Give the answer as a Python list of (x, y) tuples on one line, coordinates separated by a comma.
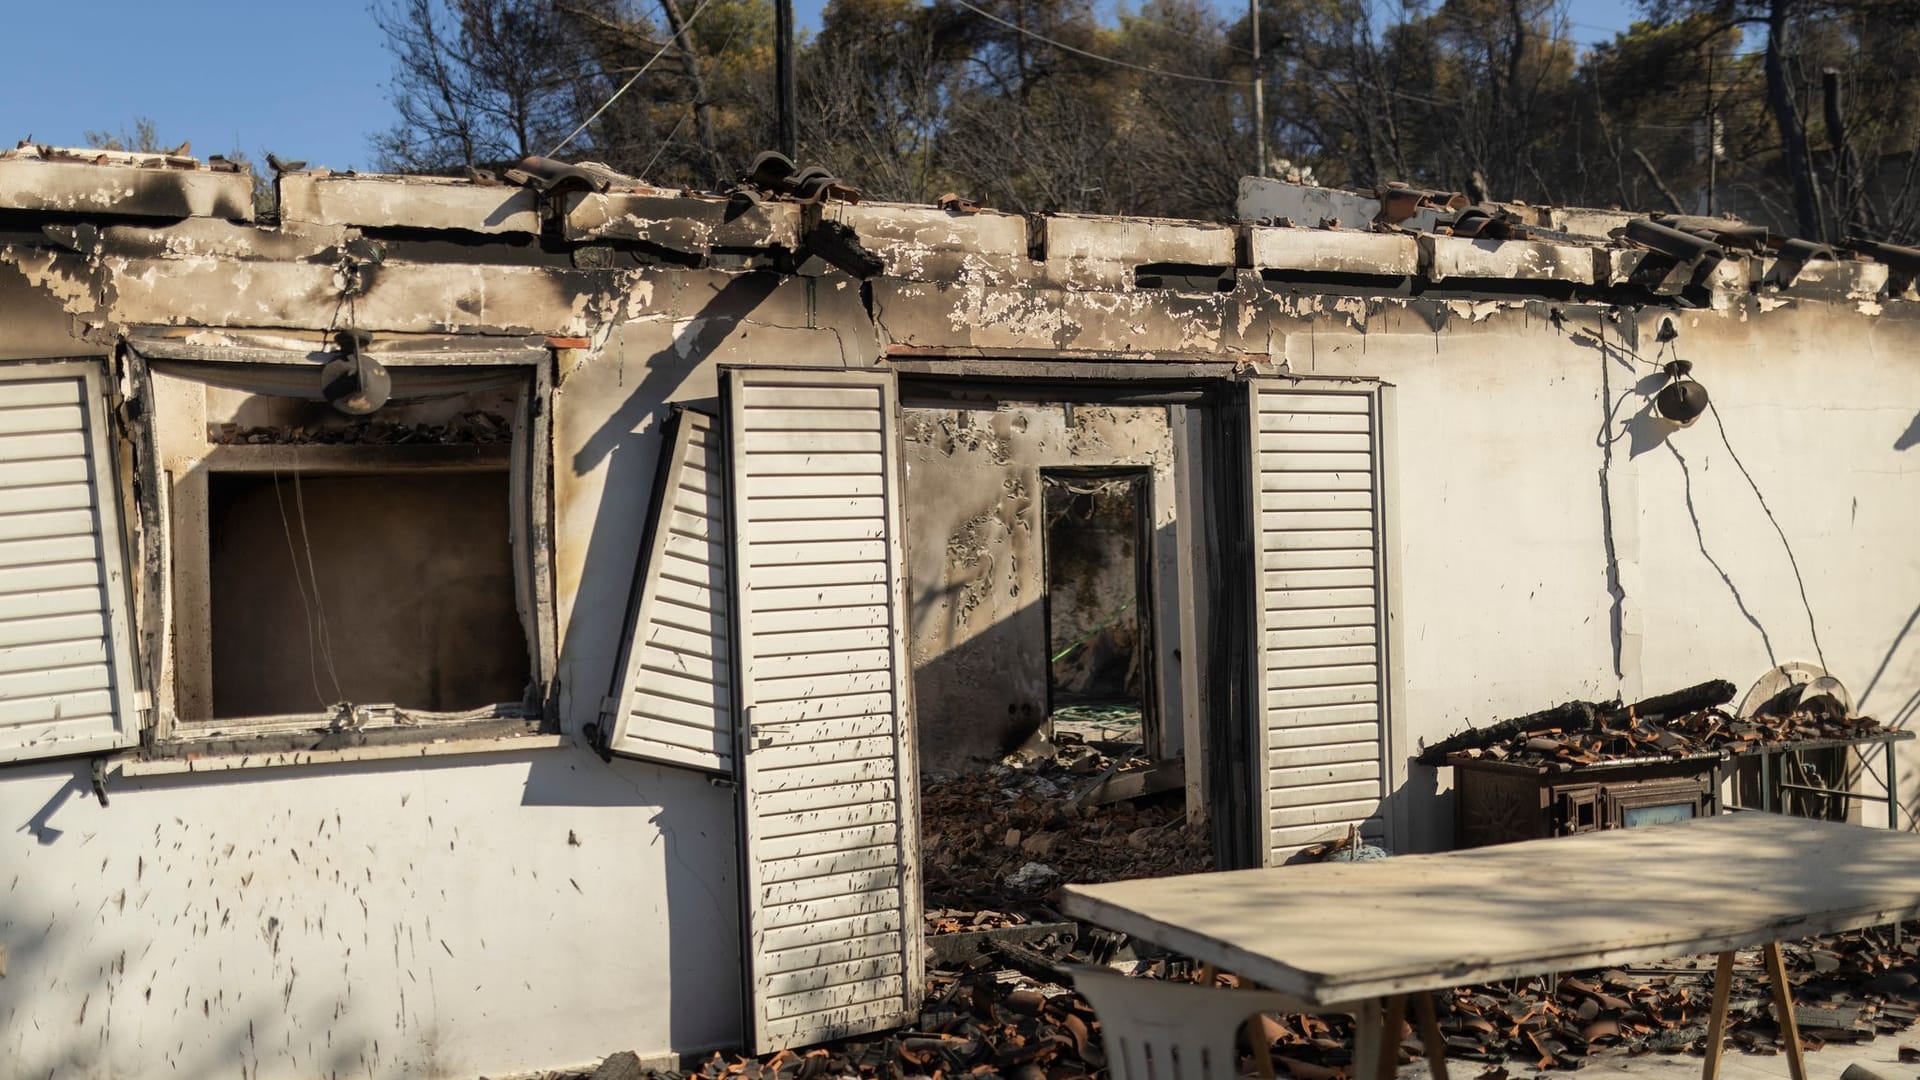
[(479, 83)]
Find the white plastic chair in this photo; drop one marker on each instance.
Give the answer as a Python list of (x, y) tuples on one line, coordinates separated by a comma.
[(1156, 1030)]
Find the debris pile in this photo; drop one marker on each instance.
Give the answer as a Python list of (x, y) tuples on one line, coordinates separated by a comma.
[(1008, 1012), (1846, 987), (1707, 732), (1003, 839), (1687, 723), (466, 429)]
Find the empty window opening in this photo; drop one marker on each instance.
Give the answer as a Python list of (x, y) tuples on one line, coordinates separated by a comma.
[(370, 588), (1097, 548)]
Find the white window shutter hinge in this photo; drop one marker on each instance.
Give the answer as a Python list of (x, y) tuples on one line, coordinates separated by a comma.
[(143, 701)]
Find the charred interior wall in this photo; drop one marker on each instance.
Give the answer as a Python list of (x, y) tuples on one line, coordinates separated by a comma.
[(976, 574), (1096, 628), (415, 569)]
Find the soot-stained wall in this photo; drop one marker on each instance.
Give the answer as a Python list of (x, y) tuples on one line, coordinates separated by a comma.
[(977, 626)]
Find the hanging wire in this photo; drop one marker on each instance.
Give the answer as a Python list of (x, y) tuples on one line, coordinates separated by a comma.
[(1064, 47), (691, 107), (625, 86), (320, 607), (306, 608), (1812, 626)]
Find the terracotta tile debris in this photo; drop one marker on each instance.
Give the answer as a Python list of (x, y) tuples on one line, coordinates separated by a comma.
[(1686, 723), (1009, 1012)]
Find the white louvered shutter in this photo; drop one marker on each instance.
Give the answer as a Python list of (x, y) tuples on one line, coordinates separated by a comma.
[(1321, 616), (827, 777), (673, 699), (66, 665)]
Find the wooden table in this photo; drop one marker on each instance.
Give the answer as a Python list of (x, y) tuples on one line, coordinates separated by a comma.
[(1368, 937)]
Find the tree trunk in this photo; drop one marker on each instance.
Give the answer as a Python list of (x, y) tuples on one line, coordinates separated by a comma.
[(1793, 131), (702, 108)]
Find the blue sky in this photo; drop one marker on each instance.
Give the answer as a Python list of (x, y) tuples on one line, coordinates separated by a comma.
[(305, 80)]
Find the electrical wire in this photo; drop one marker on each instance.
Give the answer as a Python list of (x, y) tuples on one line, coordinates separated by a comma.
[(1812, 627), (319, 605), (692, 107), (299, 583), (628, 85), (1062, 46)]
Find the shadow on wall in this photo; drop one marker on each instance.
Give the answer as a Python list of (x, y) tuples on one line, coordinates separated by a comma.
[(981, 698), (597, 621), (110, 979), (1909, 437), (980, 691), (351, 920), (696, 843)]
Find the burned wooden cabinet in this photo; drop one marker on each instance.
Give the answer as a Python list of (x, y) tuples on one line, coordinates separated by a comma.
[(1321, 646), (766, 640), (1497, 802), (66, 651)]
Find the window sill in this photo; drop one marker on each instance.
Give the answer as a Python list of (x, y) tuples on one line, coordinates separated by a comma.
[(269, 751)]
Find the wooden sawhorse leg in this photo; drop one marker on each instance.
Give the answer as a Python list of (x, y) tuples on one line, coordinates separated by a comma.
[(1782, 1012), (1378, 1023)]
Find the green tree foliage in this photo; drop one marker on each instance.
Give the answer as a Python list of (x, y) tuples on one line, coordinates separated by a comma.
[(1801, 114), (144, 138)]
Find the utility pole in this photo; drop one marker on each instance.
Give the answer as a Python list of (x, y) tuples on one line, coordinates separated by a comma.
[(1259, 95), (784, 90), (1713, 137)]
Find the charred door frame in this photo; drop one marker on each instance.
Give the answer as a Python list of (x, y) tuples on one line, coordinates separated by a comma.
[(1146, 603), (1218, 394)]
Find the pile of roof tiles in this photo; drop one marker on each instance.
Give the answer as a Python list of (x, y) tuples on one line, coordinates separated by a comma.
[(1685, 723), (1009, 1013), (1708, 731), (1846, 987)]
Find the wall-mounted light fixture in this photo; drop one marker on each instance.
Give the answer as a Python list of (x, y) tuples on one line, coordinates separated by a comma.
[(1682, 400), (353, 382)]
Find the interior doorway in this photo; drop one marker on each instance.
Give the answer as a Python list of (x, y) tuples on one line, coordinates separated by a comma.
[(1097, 552)]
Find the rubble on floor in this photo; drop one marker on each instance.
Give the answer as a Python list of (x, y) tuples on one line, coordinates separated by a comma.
[(1686, 723), (1106, 723), (1001, 840), (1009, 1013), (467, 429)]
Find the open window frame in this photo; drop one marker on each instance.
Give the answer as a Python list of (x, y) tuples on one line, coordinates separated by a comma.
[(173, 436)]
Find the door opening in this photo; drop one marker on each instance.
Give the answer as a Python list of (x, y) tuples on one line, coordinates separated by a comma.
[(1098, 598)]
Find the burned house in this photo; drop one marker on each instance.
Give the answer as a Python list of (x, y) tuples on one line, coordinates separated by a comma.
[(472, 625)]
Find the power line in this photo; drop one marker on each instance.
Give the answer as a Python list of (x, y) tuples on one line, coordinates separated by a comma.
[(1162, 72), (625, 86)]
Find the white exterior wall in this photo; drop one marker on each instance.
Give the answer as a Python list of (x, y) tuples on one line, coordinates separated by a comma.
[(1502, 586), (401, 918)]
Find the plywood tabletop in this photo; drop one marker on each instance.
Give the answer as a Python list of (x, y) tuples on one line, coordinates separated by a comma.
[(1339, 932)]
